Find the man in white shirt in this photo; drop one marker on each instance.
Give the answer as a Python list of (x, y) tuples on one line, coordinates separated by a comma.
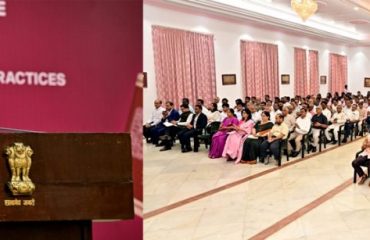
[(185, 117), (325, 110), (268, 106), (239, 110), (368, 110), (289, 119), (362, 110), (338, 119), (333, 106), (302, 127), (256, 115), (185, 101), (218, 102), (155, 118), (274, 112), (347, 108), (214, 113), (298, 109), (363, 114), (204, 108), (352, 118)]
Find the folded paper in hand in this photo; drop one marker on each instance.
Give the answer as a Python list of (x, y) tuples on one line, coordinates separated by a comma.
[(167, 124)]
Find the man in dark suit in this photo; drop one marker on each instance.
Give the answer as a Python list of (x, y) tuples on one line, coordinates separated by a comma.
[(176, 126), (172, 115), (197, 124)]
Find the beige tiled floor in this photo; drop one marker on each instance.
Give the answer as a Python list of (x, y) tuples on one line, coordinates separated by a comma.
[(245, 210), (346, 216)]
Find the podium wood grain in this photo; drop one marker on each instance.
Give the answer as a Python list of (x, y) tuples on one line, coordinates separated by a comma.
[(77, 176)]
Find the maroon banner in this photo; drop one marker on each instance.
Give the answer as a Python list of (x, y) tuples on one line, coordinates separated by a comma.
[(71, 66)]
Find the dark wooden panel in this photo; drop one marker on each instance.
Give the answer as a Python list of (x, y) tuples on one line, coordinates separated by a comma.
[(74, 202), (77, 177), (95, 157)]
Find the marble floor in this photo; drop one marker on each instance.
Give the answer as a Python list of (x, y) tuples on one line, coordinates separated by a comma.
[(250, 207)]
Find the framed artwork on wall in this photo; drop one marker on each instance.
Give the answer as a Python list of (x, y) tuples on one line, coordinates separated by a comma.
[(228, 79), (285, 79), (367, 82), (322, 79)]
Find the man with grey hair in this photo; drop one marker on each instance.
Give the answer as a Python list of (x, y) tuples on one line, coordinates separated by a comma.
[(319, 122), (353, 117), (256, 115), (302, 127), (217, 101), (274, 112), (289, 119), (338, 119)]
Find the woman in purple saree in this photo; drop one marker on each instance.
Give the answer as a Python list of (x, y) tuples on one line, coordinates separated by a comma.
[(219, 138)]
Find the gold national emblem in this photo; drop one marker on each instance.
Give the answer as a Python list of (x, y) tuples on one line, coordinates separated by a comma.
[(19, 159)]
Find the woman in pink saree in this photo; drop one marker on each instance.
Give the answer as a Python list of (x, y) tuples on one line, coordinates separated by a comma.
[(235, 140), (219, 138)]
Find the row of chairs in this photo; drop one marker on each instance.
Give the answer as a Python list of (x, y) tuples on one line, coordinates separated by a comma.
[(307, 139), (212, 128)]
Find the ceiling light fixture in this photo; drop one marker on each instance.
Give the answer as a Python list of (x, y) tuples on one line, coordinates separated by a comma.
[(304, 8)]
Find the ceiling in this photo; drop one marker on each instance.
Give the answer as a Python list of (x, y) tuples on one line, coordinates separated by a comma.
[(345, 21), (348, 13)]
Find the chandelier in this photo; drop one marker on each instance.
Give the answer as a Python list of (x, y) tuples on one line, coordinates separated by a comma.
[(304, 8)]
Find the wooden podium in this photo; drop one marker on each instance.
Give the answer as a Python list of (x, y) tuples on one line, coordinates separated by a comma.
[(77, 178)]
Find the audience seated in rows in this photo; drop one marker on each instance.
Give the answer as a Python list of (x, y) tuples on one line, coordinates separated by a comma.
[(247, 131)]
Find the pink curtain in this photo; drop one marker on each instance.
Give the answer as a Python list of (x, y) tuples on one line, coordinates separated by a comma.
[(313, 86), (260, 69), (184, 65), (337, 72), (300, 72)]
